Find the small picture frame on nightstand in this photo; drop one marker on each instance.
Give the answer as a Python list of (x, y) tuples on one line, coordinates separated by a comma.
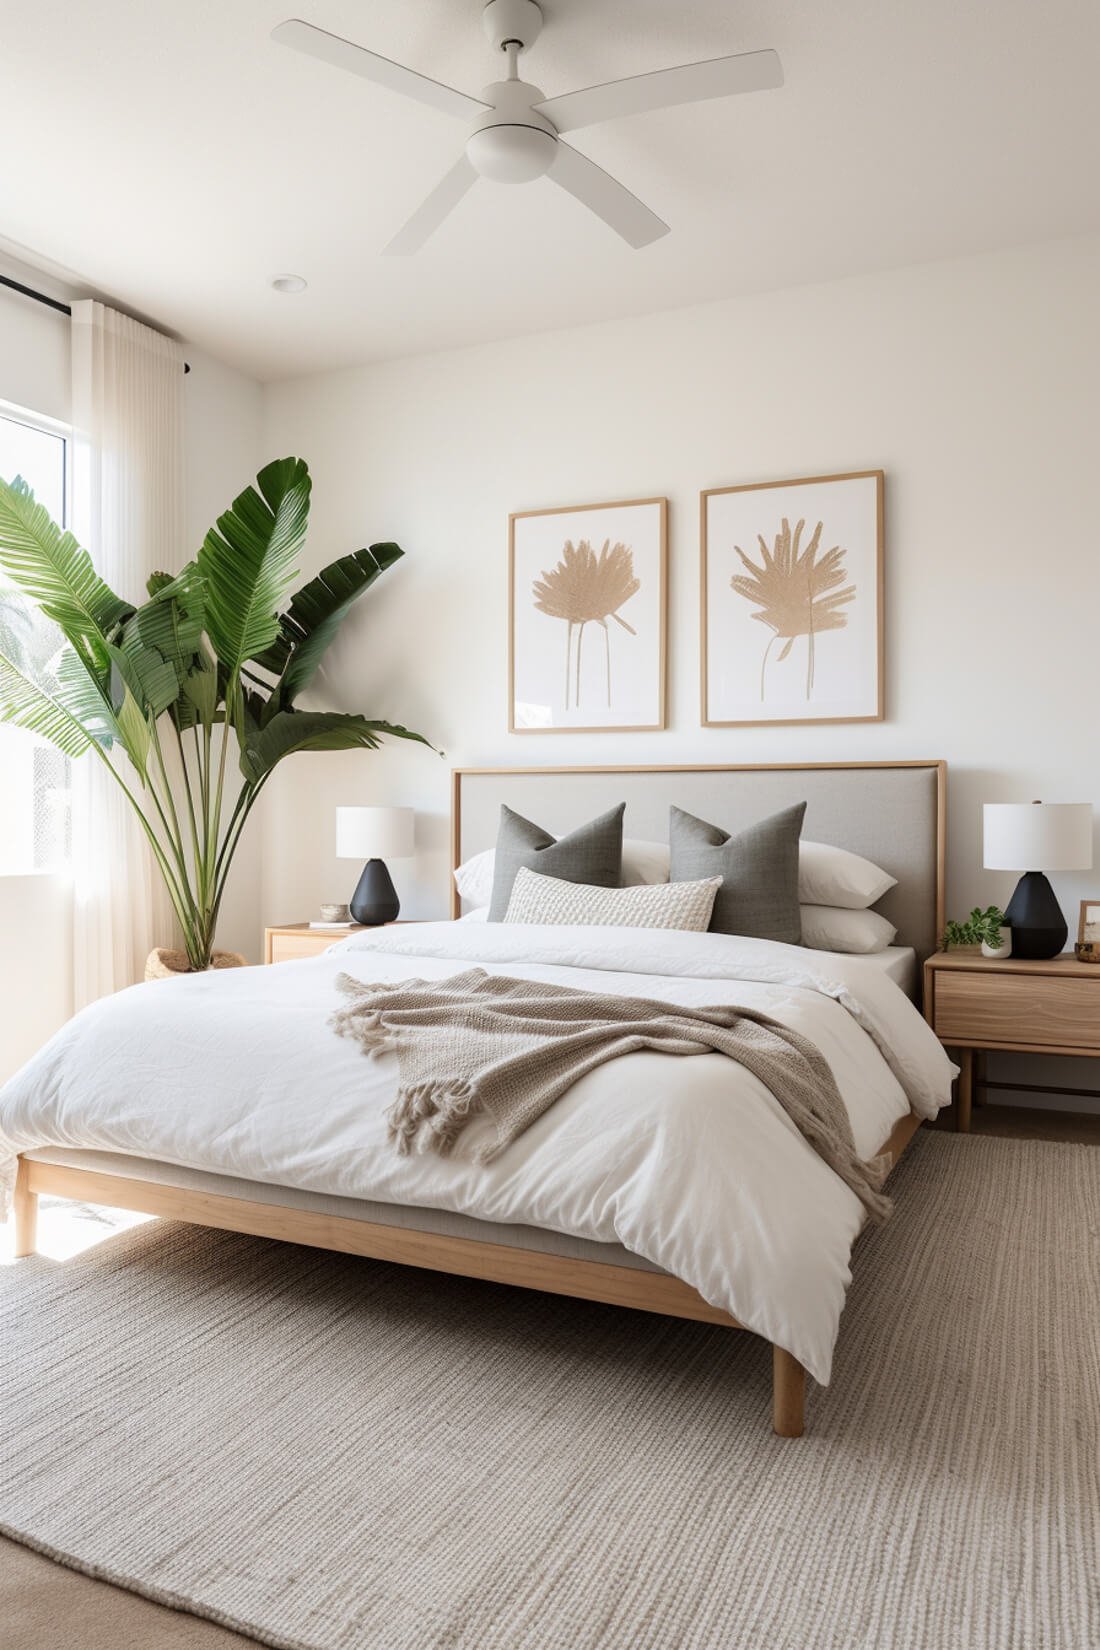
[(1087, 948)]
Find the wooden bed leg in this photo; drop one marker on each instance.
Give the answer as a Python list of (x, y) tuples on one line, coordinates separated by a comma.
[(25, 1212), (788, 1394), (966, 1090)]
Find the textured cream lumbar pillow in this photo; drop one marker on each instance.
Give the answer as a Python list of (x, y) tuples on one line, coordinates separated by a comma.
[(540, 899)]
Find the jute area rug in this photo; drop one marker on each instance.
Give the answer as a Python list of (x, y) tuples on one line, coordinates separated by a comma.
[(329, 1453)]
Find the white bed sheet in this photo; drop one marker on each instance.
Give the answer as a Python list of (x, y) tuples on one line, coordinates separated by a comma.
[(898, 963), (689, 1163)]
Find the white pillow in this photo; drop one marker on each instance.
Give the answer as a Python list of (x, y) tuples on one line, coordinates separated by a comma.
[(833, 876), (643, 862), (684, 905), (835, 928), (474, 878)]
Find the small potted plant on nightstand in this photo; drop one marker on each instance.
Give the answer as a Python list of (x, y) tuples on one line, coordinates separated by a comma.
[(986, 928)]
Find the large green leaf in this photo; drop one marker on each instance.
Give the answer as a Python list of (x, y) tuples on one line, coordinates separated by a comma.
[(171, 622), (247, 561), (163, 643), (150, 679), (316, 613), (312, 730), (133, 731), (44, 686), (51, 566), (199, 702)]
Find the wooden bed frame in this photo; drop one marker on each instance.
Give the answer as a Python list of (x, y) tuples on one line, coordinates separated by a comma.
[(468, 1257), (497, 1263)]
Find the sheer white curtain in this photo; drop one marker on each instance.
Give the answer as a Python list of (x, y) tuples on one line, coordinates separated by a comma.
[(127, 506)]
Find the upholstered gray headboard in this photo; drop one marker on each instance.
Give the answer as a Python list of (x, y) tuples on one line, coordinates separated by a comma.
[(892, 812)]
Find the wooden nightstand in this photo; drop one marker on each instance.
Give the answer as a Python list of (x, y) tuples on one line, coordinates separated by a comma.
[(292, 941), (972, 1003)]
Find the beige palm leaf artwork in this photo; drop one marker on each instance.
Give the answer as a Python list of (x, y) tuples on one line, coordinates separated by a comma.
[(795, 592), (587, 589)]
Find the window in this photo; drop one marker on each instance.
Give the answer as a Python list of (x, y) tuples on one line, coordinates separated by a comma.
[(34, 776)]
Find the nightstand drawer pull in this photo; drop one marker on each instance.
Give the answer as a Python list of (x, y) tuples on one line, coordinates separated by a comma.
[(984, 1010)]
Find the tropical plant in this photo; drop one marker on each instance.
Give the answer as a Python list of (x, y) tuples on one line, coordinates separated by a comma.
[(980, 927), (587, 589), (796, 595), (216, 647)]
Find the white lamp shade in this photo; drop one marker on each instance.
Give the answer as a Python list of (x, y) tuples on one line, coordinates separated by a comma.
[(374, 833), (1038, 836)]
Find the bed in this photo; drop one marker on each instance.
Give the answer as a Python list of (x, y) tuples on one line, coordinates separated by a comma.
[(283, 1135)]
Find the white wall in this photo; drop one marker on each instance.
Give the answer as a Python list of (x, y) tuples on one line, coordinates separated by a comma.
[(972, 384), (223, 427), (223, 454)]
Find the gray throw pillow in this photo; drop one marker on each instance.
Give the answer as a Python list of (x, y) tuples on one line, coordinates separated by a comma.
[(758, 867), (593, 853)]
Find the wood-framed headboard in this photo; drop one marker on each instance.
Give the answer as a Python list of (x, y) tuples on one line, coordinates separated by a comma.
[(894, 813)]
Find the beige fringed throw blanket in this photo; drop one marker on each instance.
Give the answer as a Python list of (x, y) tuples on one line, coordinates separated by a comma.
[(507, 1048)]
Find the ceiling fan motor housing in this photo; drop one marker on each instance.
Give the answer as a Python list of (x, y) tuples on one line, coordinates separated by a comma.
[(512, 21), (512, 142)]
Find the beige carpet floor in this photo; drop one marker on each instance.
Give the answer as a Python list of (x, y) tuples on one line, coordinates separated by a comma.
[(47, 1606), (338, 1455)]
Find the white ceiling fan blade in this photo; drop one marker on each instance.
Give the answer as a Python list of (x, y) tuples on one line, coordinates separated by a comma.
[(344, 54), (599, 191), (691, 83), (431, 212)]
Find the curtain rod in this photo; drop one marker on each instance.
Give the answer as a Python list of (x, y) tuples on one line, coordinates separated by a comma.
[(51, 303)]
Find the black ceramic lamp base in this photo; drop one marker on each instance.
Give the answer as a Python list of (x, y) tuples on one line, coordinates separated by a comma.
[(1035, 917), (375, 899)]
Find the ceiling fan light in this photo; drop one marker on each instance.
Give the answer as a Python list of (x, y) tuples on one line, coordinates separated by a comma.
[(511, 154)]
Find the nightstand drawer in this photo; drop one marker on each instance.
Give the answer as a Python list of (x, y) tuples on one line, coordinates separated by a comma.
[(296, 940), (293, 947), (986, 1009)]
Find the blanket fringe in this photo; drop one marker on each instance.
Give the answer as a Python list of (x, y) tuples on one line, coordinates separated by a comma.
[(365, 1025), (430, 1116)]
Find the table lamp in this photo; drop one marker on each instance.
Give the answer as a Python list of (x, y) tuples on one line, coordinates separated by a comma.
[(1034, 837), (369, 834)]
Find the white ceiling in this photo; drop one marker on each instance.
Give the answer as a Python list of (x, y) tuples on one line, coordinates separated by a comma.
[(175, 158)]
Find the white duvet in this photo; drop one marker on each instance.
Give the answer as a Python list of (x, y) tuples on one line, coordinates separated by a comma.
[(690, 1163)]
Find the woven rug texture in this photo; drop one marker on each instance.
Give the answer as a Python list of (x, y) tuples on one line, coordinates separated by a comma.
[(335, 1454)]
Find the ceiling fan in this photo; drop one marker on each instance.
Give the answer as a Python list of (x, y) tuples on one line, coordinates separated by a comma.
[(515, 133)]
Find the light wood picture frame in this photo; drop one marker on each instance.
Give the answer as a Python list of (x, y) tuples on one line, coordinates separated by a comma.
[(600, 569), (796, 563), (1088, 923)]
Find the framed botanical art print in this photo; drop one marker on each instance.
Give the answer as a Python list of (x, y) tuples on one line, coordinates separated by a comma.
[(1087, 948), (587, 599), (792, 603)]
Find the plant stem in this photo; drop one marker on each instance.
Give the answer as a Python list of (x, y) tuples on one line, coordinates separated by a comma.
[(241, 802), (580, 643), (158, 853), (249, 797), (173, 832), (214, 819), (190, 802)]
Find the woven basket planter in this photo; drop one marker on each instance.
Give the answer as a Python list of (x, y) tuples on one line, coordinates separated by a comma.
[(163, 964)]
